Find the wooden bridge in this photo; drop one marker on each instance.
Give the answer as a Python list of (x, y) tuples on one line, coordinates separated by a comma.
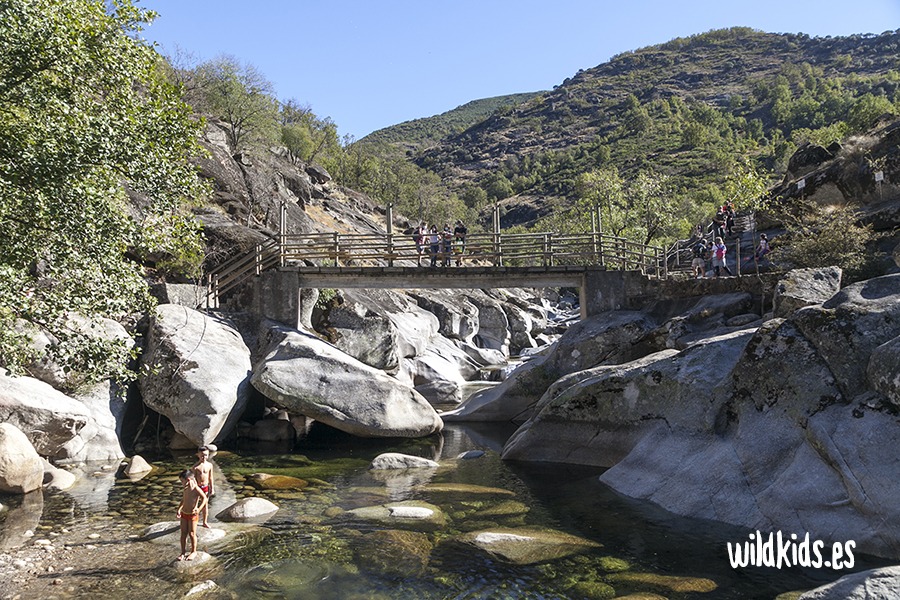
[(323, 260)]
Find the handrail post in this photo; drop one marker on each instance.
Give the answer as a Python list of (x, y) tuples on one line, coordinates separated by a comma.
[(548, 250), (282, 234), (737, 257), (337, 248), (258, 260), (498, 258), (390, 233)]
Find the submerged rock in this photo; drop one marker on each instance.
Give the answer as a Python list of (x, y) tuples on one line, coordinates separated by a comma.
[(264, 481), (394, 553), (395, 460), (411, 514), (663, 583), (527, 546)]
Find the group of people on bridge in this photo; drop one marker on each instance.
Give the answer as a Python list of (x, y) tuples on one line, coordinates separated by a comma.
[(442, 245), (715, 250)]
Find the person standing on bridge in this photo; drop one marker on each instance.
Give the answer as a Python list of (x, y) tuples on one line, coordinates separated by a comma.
[(419, 238), (434, 242), (446, 245), (459, 233), (718, 261)]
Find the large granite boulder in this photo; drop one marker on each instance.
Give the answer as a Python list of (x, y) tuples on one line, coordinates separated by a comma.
[(457, 316), (805, 287), (853, 323), (364, 334), (598, 416), (197, 372), (761, 430), (99, 439), (608, 338), (441, 371), (21, 469), (48, 417), (493, 324), (415, 327), (308, 376)]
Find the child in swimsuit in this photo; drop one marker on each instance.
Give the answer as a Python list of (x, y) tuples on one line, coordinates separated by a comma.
[(192, 502), (203, 472)]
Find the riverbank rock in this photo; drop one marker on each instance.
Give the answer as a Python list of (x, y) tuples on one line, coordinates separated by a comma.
[(598, 416), (248, 509), (775, 428), (526, 546), (57, 479), (198, 372), (137, 466), (98, 440), (805, 287), (367, 336), (48, 417), (307, 376), (21, 468), (876, 584), (853, 323), (395, 460)]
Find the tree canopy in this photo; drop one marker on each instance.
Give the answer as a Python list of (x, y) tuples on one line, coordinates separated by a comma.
[(87, 118)]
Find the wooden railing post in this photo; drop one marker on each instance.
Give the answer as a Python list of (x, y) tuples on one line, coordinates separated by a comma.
[(548, 250), (498, 258), (337, 248), (258, 261), (282, 234), (390, 233), (737, 257)]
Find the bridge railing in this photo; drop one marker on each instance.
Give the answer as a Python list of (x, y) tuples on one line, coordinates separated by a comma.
[(543, 249)]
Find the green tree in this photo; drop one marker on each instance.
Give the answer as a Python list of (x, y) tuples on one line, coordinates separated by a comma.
[(747, 188), (866, 110), (604, 188), (304, 134), (826, 236), (86, 112), (239, 94)]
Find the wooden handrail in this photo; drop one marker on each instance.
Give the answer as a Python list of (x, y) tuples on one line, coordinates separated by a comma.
[(545, 249)]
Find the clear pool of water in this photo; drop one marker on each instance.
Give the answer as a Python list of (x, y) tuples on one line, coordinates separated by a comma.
[(313, 548)]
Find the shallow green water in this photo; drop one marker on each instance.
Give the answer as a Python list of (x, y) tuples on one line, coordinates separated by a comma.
[(314, 548)]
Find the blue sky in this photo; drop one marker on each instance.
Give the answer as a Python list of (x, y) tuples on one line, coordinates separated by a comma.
[(369, 64)]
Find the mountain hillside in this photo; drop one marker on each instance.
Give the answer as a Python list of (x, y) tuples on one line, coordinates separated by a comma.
[(420, 134), (686, 109)]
